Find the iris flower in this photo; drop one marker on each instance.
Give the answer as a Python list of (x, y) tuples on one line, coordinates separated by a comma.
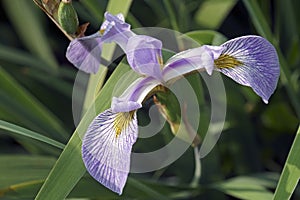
[(249, 60)]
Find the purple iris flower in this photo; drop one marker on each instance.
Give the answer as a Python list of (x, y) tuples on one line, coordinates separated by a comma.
[(249, 60)]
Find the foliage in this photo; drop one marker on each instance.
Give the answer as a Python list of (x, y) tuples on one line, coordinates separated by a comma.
[(40, 145)]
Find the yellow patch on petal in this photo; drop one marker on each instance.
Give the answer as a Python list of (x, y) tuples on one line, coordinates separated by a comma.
[(160, 61), (102, 31), (227, 61), (121, 121)]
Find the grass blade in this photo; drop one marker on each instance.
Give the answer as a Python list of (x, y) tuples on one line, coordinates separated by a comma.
[(212, 13), (28, 107), (28, 133), (291, 172), (30, 32)]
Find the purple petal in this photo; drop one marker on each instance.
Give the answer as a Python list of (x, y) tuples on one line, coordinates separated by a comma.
[(190, 60), (116, 30), (109, 18), (251, 61), (144, 55), (121, 105), (85, 53), (133, 96), (106, 148)]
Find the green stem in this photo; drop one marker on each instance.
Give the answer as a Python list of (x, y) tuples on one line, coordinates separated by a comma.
[(197, 171), (263, 28), (171, 15)]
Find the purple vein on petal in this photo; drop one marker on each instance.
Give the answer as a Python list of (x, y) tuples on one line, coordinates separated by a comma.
[(84, 53), (107, 147), (251, 61)]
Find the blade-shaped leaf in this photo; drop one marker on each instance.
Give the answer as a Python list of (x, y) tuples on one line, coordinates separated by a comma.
[(212, 13), (16, 169), (28, 133), (291, 172), (207, 37), (248, 187), (31, 32), (26, 108)]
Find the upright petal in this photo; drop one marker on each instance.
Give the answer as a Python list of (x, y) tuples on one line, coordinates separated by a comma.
[(106, 148), (133, 96), (85, 53), (251, 61), (115, 29), (144, 55), (190, 60)]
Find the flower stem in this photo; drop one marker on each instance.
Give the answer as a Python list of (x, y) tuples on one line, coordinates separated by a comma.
[(197, 172)]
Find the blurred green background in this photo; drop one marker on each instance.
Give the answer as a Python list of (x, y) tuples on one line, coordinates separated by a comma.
[(36, 83)]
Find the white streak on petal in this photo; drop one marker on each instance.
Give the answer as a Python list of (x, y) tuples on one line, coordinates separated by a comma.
[(133, 96), (191, 60), (85, 53), (259, 68), (105, 153)]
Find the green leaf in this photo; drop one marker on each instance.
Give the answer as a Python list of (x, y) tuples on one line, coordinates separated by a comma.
[(95, 9), (116, 6), (22, 175), (31, 32), (248, 187), (212, 13), (27, 109), (67, 171), (28, 133), (207, 37), (291, 172), (16, 169), (69, 168), (16, 56)]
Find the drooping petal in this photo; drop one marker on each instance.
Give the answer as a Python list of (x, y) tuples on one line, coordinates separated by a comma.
[(133, 96), (144, 55), (85, 53), (190, 60), (122, 105), (106, 148), (115, 29), (251, 61)]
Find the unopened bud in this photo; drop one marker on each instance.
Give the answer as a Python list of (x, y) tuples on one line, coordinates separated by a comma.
[(67, 16)]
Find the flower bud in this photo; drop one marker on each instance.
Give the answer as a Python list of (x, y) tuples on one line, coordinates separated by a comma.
[(67, 16)]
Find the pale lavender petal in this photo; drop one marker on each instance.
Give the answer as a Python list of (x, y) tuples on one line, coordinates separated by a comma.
[(119, 18), (191, 60), (144, 55), (85, 53), (133, 96), (116, 30), (121, 105), (251, 61), (106, 148)]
